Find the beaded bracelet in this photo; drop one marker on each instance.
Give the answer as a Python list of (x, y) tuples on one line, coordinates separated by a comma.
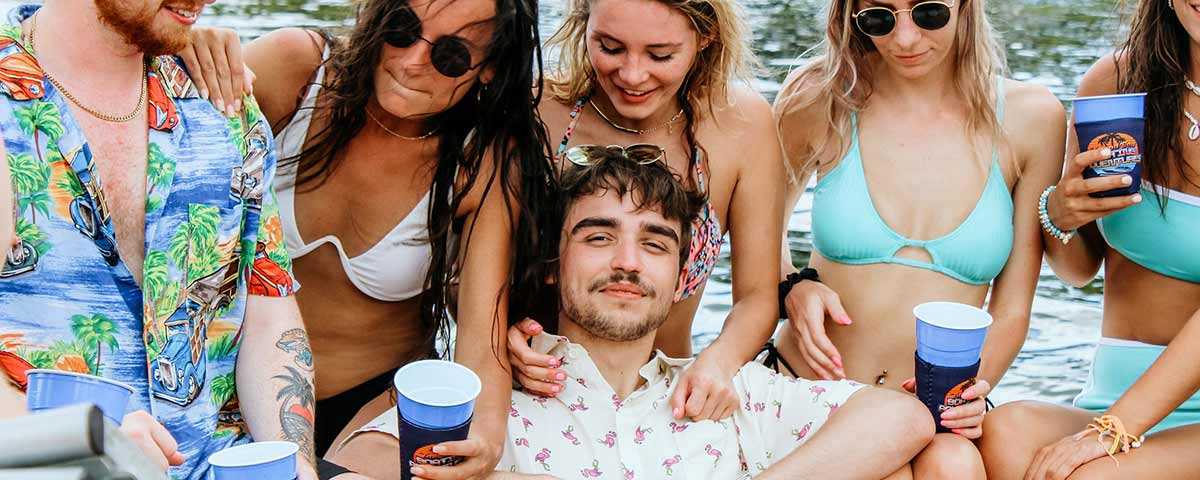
[(1044, 216), (1110, 427)]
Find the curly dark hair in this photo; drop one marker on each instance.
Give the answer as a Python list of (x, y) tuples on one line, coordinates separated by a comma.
[(650, 187), (493, 122), (1155, 59)]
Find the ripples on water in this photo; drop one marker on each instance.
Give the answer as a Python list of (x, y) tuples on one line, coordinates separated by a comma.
[(1048, 42)]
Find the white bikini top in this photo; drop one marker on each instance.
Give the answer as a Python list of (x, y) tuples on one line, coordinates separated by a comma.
[(393, 269)]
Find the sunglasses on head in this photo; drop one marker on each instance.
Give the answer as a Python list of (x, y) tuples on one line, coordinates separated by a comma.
[(450, 55), (640, 153), (880, 21)]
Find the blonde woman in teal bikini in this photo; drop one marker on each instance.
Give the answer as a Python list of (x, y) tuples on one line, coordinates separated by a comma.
[(669, 73), (929, 165), (1141, 396)]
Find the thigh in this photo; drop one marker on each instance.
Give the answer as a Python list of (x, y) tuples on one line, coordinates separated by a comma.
[(1014, 432), (1169, 454)]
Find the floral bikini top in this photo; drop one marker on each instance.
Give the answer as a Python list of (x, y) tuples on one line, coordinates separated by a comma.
[(707, 237)]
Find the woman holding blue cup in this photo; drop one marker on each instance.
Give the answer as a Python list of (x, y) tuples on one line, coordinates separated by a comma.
[(1140, 405), (929, 164)]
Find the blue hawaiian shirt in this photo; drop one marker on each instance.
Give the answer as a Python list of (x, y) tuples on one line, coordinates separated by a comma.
[(212, 233)]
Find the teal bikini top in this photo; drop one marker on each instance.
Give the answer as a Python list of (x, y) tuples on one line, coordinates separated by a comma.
[(847, 228), (1166, 244)]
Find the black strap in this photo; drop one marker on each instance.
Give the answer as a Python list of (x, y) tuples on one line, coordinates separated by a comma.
[(773, 359), (327, 470), (785, 286)]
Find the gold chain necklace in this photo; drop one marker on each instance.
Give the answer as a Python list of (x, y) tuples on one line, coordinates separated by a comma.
[(91, 111), (632, 130), (397, 135)]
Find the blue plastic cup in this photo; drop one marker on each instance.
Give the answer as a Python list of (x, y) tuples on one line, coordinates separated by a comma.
[(950, 334), (255, 461), (435, 400), (436, 393), (55, 388), (949, 339), (1116, 122)]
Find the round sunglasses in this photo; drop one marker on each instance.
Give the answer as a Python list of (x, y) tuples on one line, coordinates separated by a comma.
[(450, 55), (880, 21)]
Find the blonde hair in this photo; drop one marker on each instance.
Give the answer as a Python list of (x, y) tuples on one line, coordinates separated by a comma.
[(724, 53), (838, 79)]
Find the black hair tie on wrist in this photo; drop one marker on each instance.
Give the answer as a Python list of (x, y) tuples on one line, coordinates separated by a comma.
[(792, 279)]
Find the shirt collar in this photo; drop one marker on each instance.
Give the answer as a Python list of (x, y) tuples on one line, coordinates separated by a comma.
[(576, 362)]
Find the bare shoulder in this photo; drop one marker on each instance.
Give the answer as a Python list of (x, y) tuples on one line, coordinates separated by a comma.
[(1101, 78), (283, 61), (746, 106), (794, 108), (1035, 121), (1031, 105)]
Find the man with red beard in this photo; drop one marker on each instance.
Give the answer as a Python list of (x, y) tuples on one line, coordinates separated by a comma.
[(141, 212)]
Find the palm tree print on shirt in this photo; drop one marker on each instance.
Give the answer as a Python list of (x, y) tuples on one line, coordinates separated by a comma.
[(95, 329)]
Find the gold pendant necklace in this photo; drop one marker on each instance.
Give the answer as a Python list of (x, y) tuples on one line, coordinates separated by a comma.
[(141, 102), (633, 130), (397, 135)]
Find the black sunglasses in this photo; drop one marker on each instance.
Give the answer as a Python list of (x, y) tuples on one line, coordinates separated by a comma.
[(449, 55), (880, 21)]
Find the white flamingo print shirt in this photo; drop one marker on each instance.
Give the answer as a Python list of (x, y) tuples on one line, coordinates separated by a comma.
[(588, 432)]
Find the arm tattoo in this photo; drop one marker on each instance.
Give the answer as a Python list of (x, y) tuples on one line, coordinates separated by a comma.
[(295, 341), (296, 395)]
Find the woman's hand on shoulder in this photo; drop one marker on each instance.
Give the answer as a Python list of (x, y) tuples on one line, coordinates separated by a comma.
[(214, 59), (537, 373)]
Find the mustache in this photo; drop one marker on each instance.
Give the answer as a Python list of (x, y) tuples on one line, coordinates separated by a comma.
[(622, 277)]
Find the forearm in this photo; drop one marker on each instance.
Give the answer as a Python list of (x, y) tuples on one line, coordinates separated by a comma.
[(275, 374), (749, 325), (493, 402), (1166, 385), (1004, 342)]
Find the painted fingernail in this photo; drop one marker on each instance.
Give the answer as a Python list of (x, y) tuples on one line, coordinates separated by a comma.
[(1137, 198), (555, 388), (417, 471), (204, 94), (560, 376), (554, 362), (221, 105), (1126, 180), (1107, 152), (237, 105)]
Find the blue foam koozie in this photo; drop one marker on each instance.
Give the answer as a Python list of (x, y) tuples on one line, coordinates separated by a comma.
[(436, 394), (1116, 122), (940, 388), (255, 461), (49, 389), (416, 445)]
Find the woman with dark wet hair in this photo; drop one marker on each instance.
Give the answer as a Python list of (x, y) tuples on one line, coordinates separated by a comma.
[(411, 154)]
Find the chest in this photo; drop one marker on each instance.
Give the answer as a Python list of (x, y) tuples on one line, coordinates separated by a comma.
[(375, 187), (599, 438), (924, 181), (119, 158)]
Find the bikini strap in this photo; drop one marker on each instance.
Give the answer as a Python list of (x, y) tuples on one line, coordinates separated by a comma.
[(575, 111)]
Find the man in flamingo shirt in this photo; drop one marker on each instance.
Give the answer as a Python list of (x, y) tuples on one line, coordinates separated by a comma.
[(618, 261)]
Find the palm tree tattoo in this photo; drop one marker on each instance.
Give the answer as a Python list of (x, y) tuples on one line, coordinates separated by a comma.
[(296, 396)]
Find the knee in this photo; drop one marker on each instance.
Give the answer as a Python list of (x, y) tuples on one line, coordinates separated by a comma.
[(1007, 424), (1006, 444), (906, 415), (949, 456)]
